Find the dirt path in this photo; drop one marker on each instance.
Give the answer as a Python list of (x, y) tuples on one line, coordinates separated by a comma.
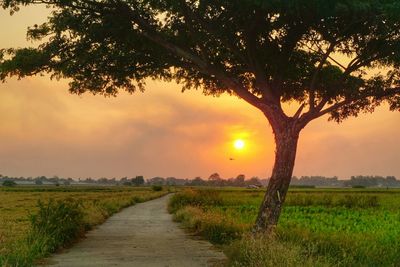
[(141, 235)]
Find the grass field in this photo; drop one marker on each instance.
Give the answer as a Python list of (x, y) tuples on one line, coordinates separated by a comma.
[(318, 227), (29, 231)]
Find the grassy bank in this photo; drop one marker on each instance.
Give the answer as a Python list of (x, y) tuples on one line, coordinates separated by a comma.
[(317, 227), (36, 221)]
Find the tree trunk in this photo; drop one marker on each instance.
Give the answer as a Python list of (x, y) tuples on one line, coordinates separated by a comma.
[(285, 154)]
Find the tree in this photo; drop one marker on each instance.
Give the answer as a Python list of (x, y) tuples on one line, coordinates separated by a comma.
[(197, 181), (138, 180), (215, 180), (156, 181), (315, 53), (239, 180), (9, 183)]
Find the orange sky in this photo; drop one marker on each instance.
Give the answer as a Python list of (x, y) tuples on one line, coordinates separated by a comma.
[(45, 130)]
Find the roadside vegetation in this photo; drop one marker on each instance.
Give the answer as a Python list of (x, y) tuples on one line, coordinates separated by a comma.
[(353, 227), (36, 221)]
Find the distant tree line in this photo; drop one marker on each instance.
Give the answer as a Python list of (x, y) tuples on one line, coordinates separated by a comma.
[(372, 181), (213, 180), (317, 181), (354, 181)]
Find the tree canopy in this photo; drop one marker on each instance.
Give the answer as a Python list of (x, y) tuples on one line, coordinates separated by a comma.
[(266, 52)]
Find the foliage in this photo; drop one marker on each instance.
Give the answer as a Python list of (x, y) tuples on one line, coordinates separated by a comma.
[(191, 197), (318, 227), (264, 52), (47, 222), (303, 181), (157, 188), (211, 225), (330, 200), (138, 180), (260, 250), (9, 183), (56, 223)]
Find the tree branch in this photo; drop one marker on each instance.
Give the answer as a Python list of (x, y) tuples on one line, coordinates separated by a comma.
[(298, 112), (316, 72), (386, 93), (325, 57), (150, 33)]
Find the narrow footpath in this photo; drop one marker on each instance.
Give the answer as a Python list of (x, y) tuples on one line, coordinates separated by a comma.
[(141, 235)]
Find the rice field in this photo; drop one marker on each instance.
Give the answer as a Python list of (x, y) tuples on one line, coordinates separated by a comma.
[(318, 227), (19, 204)]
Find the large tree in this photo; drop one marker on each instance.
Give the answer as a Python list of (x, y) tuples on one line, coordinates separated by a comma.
[(316, 53)]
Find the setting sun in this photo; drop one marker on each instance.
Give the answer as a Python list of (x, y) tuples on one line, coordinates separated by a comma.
[(239, 144)]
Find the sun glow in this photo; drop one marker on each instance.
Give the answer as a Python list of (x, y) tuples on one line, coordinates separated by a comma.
[(239, 144)]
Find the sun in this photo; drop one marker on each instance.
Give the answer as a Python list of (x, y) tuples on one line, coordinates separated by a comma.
[(239, 144)]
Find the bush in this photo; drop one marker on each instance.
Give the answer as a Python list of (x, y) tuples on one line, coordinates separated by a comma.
[(59, 222), (9, 183), (157, 188), (56, 224)]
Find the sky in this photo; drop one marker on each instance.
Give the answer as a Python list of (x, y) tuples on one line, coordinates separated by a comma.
[(45, 130)]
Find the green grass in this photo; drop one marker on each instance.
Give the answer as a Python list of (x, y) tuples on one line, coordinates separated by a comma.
[(327, 227), (36, 221)]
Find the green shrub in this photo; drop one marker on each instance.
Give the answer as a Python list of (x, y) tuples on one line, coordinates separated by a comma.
[(56, 224), (9, 183), (157, 188), (59, 222), (110, 208)]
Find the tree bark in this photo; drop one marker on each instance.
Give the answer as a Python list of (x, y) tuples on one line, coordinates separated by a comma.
[(286, 145)]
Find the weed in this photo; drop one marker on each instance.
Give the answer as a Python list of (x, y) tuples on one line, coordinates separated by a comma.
[(157, 188)]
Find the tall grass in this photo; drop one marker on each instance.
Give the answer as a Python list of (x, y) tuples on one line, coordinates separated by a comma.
[(192, 197), (213, 226), (56, 224), (263, 251)]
